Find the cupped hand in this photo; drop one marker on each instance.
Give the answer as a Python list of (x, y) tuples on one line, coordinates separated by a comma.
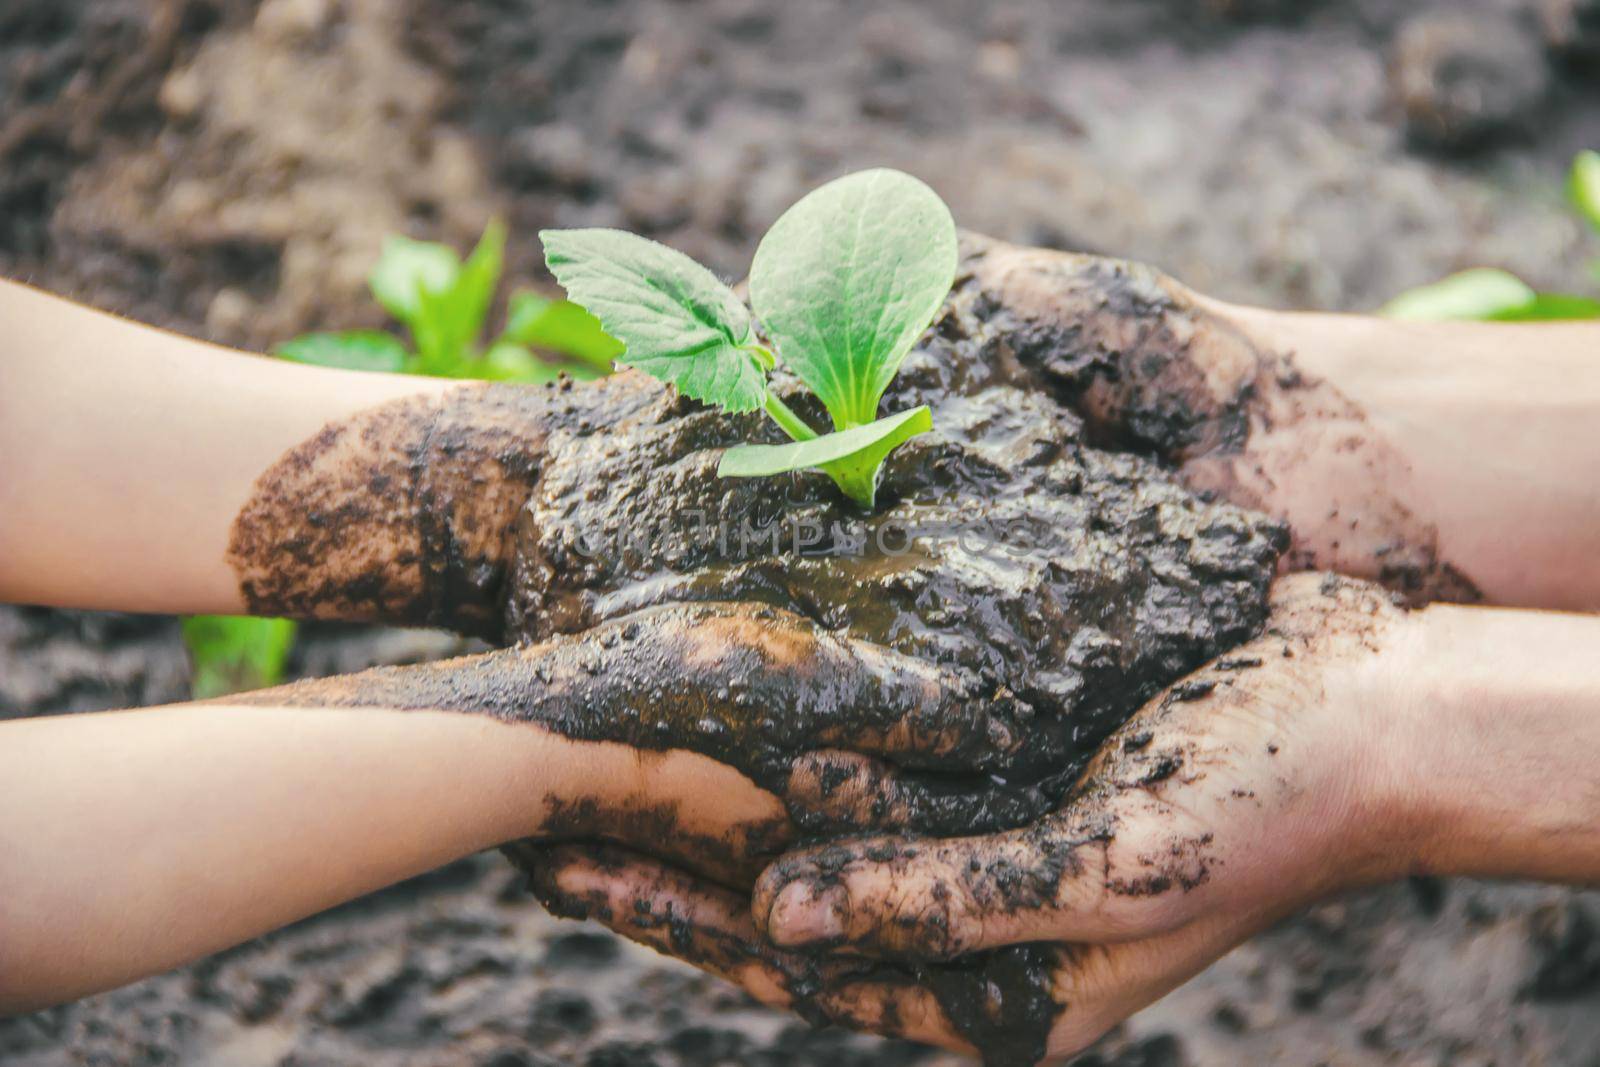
[(1211, 391), (738, 727), (1251, 788), (405, 512)]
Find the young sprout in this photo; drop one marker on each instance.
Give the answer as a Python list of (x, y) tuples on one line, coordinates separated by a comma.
[(843, 284)]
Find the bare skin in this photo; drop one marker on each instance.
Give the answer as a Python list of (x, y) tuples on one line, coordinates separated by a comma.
[(133, 842)]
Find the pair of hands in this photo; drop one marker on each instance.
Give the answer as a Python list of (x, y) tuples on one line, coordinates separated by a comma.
[(1234, 797), (1237, 796)]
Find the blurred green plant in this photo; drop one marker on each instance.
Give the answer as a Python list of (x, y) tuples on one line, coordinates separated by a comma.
[(1489, 294), (443, 303), (232, 653)]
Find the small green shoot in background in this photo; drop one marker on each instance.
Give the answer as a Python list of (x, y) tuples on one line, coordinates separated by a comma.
[(443, 303), (843, 285), (232, 653), (1489, 294)]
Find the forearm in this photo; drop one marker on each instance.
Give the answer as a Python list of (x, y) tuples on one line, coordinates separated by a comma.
[(126, 453), (144, 471), (131, 842), (1494, 767), (1492, 444)]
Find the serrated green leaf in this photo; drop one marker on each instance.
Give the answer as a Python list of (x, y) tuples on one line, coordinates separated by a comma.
[(1482, 293), (1584, 185), (677, 322), (1546, 307), (406, 269), (853, 457), (366, 350), (846, 281), (560, 326), (232, 653)]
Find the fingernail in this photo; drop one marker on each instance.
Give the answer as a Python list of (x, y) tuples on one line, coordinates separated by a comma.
[(805, 913)]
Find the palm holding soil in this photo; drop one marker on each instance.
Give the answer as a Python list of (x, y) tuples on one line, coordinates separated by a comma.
[(1155, 369), (1237, 796)]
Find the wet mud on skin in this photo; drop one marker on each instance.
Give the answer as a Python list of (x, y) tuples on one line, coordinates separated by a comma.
[(400, 513), (730, 947), (1054, 577), (1155, 372), (1140, 783), (1006, 547), (1078, 401), (769, 693), (795, 708)]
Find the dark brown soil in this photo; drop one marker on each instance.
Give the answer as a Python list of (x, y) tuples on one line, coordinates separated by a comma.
[(228, 169), (1070, 582)]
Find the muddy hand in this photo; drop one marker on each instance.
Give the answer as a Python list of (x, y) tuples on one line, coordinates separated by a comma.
[(1208, 389), (403, 512), (1227, 802), (710, 927), (848, 735)]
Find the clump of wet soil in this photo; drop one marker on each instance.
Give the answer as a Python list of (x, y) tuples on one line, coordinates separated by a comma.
[(1066, 583), (1075, 581)]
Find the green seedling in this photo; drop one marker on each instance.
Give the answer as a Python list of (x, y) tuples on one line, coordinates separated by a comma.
[(1488, 294), (444, 303), (842, 286)]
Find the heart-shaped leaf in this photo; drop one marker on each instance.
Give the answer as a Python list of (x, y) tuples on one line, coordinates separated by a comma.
[(851, 457), (677, 322), (846, 281)]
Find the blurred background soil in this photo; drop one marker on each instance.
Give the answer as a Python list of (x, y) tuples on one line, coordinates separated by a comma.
[(228, 169)]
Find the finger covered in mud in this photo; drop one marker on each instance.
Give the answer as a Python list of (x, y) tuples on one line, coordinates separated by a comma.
[(710, 927), (1146, 825), (834, 791), (1122, 344), (1155, 369)]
